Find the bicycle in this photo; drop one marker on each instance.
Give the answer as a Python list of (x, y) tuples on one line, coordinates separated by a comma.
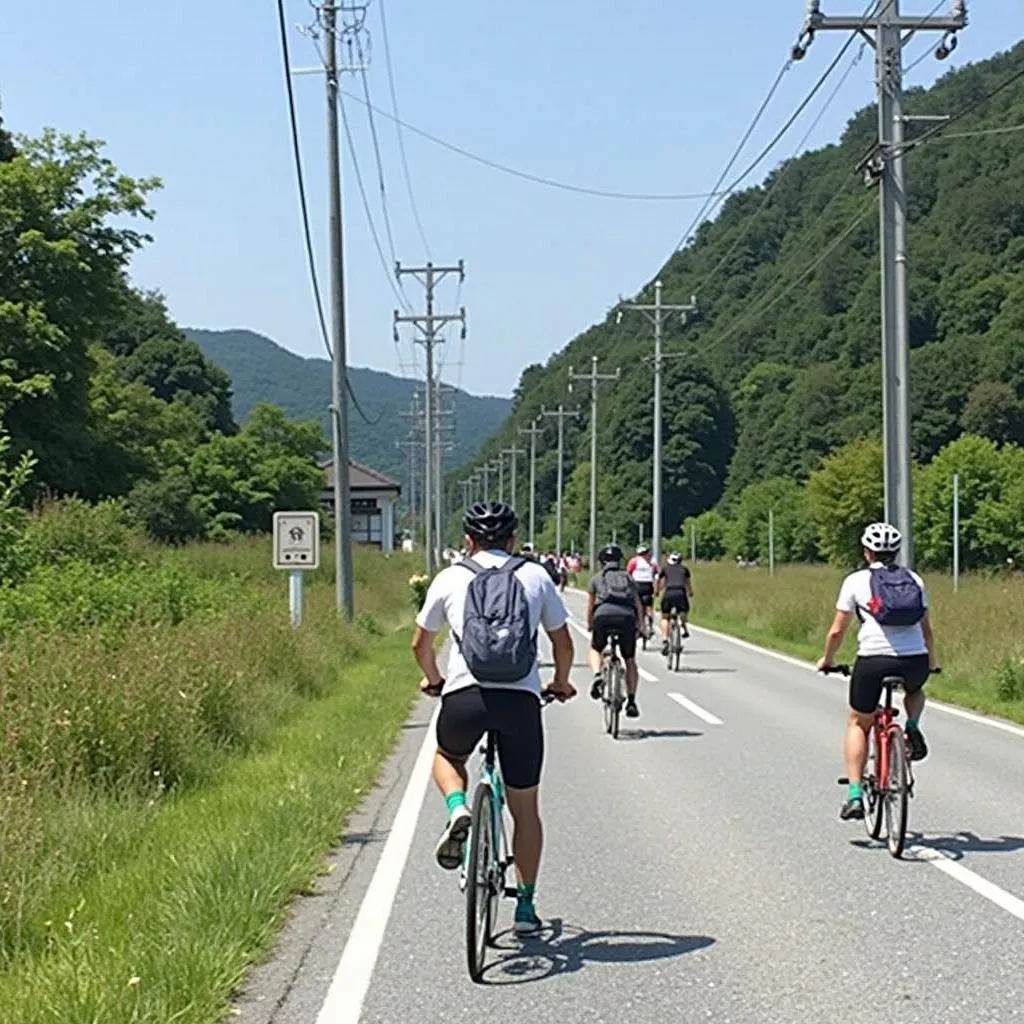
[(613, 671), (888, 780), (675, 641), (487, 857), (648, 630)]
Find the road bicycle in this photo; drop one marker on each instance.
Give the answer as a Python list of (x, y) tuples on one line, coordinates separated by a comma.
[(888, 780), (487, 857), (648, 630), (613, 692), (675, 641)]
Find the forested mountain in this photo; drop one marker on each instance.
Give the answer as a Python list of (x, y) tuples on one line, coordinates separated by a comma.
[(782, 363), (263, 371)]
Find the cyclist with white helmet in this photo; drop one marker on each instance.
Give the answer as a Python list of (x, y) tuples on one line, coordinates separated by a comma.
[(895, 639), (675, 584), (644, 571)]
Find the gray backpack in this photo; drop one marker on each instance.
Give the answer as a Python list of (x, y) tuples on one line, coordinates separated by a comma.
[(497, 642), (615, 586)]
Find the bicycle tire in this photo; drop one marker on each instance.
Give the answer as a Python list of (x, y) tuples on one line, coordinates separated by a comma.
[(677, 645), (897, 791), (616, 698), (874, 805), (479, 889), (606, 697)]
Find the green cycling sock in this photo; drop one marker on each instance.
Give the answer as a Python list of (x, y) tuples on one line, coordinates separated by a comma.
[(854, 791), (524, 893), (454, 800), (911, 723)]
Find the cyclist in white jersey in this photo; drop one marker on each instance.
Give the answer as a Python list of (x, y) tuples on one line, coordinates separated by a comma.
[(644, 572)]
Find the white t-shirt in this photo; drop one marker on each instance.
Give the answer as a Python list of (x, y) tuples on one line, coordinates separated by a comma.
[(642, 570), (446, 602), (873, 639)]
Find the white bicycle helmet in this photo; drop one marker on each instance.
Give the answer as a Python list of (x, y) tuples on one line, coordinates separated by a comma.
[(675, 558), (881, 538), (642, 549)]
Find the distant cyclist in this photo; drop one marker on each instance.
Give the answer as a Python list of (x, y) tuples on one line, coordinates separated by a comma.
[(644, 571), (511, 709), (895, 638), (675, 584), (614, 608)]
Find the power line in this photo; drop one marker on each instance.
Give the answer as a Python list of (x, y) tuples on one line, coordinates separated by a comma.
[(399, 295), (300, 178), (781, 174), (398, 129), (715, 193), (535, 178)]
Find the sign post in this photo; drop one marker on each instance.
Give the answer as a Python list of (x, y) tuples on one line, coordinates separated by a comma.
[(296, 548)]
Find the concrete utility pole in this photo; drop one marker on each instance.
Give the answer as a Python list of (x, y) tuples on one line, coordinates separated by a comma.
[(884, 30), (344, 593), (444, 430), (501, 476), (426, 325), (533, 430), (561, 414), (595, 378), (512, 453), (657, 314), (412, 444)]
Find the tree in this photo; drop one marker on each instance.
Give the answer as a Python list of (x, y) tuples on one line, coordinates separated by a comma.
[(63, 255), (843, 496), (994, 411), (710, 530), (794, 535)]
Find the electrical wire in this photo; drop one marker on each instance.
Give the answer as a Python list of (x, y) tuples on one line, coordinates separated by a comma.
[(940, 129), (398, 130), (300, 178), (699, 287), (402, 299), (535, 178), (304, 207)]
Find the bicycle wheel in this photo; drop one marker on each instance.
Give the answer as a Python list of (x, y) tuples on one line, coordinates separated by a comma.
[(677, 645), (616, 697), (479, 890), (606, 696), (874, 805), (895, 796), (646, 631)]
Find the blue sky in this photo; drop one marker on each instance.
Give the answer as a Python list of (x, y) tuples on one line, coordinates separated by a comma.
[(641, 97)]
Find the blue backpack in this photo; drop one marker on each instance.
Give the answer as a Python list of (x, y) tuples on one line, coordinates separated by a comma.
[(497, 642), (896, 597)]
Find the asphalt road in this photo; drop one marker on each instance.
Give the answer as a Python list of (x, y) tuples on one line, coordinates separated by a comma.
[(694, 870)]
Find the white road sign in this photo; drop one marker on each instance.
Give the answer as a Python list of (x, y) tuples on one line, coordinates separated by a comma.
[(296, 540)]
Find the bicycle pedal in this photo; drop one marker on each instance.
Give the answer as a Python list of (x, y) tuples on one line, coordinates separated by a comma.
[(843, 781), (511, 892)]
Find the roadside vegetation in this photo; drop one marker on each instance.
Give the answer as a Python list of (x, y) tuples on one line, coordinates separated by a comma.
[(175, 759), (979, 629)]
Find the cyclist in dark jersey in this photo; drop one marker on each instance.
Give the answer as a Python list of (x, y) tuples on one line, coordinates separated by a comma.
[(675, 584)]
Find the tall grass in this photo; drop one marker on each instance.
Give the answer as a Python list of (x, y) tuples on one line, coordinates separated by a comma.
[(132, 680), (979, 630)]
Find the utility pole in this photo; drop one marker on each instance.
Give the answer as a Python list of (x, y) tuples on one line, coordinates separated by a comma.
[(657, 314), (426, 324), (501, 476), (412, 444), (884, 30), (533, 430), (561, 414), (513, 452), (444, 415), (595, 378)]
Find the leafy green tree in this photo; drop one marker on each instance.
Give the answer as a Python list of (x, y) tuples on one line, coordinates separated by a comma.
[(843, 496), (710, 529), (63, 253), (993, 410), (794, 533), (13, 479), (169, 509)]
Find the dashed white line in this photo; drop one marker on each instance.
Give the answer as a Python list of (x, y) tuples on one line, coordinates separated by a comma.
[(1000, 897), (696, 709), (344, 1001)]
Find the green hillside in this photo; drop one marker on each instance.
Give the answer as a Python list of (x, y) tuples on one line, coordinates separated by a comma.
[(263, 371), (783, 363)]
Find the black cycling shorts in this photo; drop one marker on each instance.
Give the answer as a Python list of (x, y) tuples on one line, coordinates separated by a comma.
[(513, 714), (618, 621), (868, 673), (675, 601), (645, 591)]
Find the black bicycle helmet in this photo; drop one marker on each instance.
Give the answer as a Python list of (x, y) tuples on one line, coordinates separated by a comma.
[(490, 522), (610, 553)]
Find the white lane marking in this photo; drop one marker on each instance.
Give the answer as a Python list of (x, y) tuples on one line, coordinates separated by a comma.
[(642, 672), (695, 709), (1000, 897), (949, 709), (344, 1001)]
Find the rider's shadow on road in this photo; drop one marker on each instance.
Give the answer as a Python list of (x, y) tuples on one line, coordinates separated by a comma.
[(963, 841), (660, 734), (564, 949)]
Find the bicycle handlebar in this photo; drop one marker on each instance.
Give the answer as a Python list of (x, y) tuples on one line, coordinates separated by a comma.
[(845, 670)]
